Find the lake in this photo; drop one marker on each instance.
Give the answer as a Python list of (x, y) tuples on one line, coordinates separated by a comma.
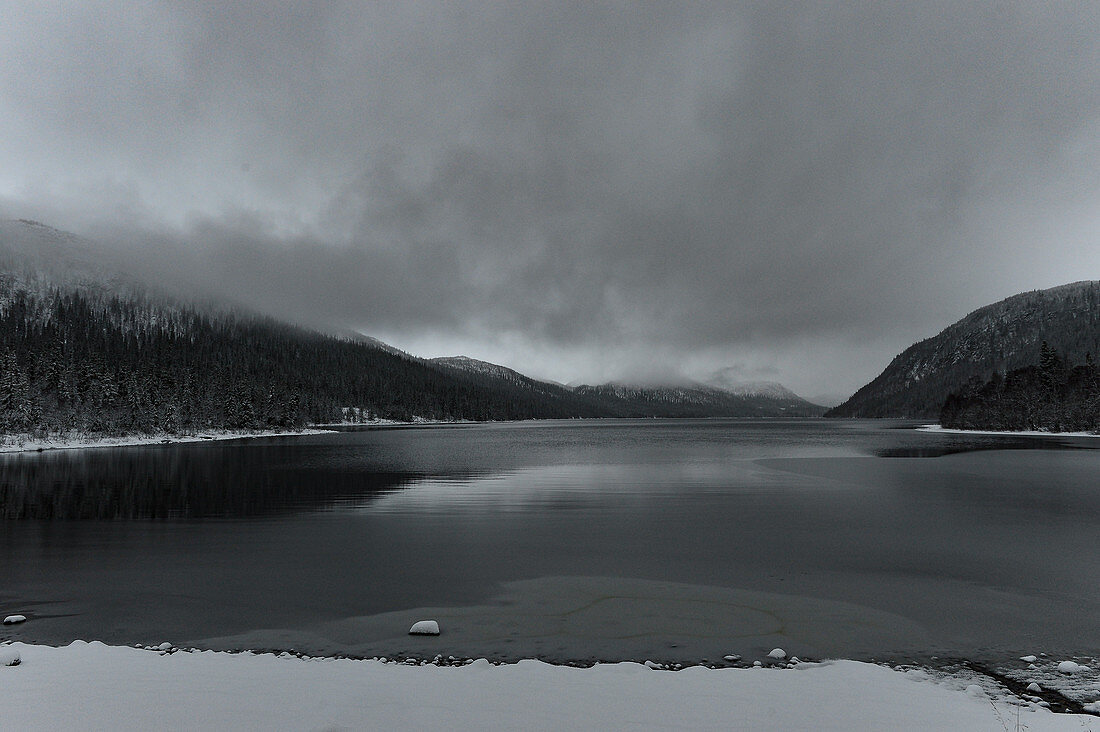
[(568, 540)]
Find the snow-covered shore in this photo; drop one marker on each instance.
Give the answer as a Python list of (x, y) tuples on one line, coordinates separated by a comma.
[(9, 443), (95, 686), (68, 441), (1023, 433)]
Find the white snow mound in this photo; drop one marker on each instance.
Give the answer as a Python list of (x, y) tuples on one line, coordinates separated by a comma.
[(778, 653), (9, 657), (975, 691), (1072, 667), (13, 619), (424, 627)]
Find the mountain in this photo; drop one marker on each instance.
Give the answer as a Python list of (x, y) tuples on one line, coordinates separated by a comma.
[(828, 399), (84, 347), (997, 338), (728, 380), (87, 346), (34, 252), (724, 397), (467, 365), (501, 378), (702, 400)]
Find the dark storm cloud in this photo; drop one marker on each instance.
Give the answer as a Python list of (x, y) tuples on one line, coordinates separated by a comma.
[(761, 184)]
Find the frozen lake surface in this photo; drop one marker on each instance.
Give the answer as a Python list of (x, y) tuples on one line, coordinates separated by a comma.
[(581, 540)]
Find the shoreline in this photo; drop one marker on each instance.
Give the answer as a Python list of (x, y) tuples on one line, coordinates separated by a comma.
[(24, 442), (75, 442), (1006, 433), (169, 687)]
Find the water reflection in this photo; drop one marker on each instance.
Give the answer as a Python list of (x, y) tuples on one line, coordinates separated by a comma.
[(494, 467), (592, 487), (988, 548), (176, 482), (964, 445)]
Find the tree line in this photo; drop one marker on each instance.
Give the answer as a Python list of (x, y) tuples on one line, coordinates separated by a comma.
[(90, 361), (1051, 396)]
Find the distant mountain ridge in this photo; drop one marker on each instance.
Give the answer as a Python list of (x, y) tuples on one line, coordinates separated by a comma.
[(1001, 337), (725, 398), (474, 366), (707, 400)]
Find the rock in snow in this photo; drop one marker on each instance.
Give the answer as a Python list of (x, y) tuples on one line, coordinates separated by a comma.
[(777, 653), (424, 627), (975, 691), (1028, 659), (1070, 667), (165, 646), (13, 619), (9, 657), (1034, 688)]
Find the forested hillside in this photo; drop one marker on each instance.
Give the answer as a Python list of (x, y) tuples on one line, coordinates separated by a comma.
[(87, 347), (997, 338), (1051, 395), (77, 360)]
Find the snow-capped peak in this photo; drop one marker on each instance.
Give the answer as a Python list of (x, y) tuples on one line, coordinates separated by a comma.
[(726, 381)]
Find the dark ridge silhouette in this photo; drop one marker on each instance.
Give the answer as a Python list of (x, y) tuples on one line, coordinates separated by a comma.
[(997, 338)]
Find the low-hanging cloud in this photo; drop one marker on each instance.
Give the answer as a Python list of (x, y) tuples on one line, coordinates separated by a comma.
[(634, 187)]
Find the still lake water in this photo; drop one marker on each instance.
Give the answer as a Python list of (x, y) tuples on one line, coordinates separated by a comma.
[(862, 539)]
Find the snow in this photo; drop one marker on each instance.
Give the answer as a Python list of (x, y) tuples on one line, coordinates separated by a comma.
[(13, 619), (777, 653), (1028, 659), (1021, 433), (122, 688), (9, 657), (1072, 667), (424, 627), (26, 443), (1034, 688)]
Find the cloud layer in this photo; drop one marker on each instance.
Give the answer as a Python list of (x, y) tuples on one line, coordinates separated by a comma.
[(585, 190)]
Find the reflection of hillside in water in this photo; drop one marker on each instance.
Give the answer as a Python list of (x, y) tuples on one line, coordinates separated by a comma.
[(978, 445), (176, 482)]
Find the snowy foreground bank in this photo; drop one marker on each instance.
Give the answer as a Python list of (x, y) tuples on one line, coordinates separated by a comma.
[(95, 686), (1023, 433)]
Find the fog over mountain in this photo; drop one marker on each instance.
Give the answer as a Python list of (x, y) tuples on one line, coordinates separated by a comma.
[(584, 192)]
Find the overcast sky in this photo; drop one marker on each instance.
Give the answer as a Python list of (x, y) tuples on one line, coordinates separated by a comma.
[(580, 191)]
